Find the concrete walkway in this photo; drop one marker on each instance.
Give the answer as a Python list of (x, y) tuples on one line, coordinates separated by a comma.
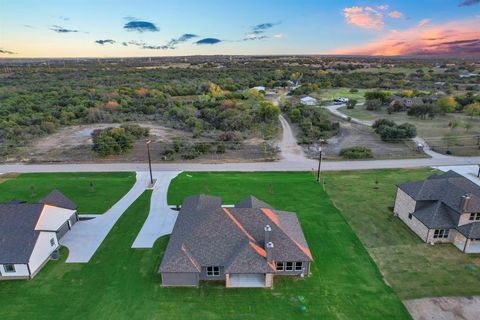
[(161, 219), (86, 236), (470, 172), (444, 308)]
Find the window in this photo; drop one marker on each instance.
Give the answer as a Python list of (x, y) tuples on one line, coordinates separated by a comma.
[(289, 266), (410, 216), (52, 242), (213, 271), (298, 266), (280, 266), (474, 216), (9, 267), (441, 233), (476, 239)]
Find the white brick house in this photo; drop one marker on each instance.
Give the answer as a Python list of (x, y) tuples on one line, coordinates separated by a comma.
[(442, 209)]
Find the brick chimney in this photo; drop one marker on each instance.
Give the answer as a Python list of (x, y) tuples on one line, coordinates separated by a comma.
[(465, 202)]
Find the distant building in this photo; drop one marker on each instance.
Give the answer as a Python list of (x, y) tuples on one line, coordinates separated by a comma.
[(407, 102), (442, 209), (340, 100), (243, 246), (259, 88), (468, 75), (309, 101)]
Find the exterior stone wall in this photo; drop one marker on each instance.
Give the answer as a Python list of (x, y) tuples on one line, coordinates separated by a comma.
[(405, 205)]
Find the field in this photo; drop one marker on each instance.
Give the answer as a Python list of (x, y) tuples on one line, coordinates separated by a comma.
[(94, 193), (439, 136), (414, 269), (330, 94), (121, 282)]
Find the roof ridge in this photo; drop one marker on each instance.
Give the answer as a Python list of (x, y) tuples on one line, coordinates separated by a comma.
[(238, 224), (275, 219), (190, 257)]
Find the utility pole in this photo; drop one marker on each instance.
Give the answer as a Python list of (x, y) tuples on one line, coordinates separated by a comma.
[(478, 174), (149, 162), (319, 162)]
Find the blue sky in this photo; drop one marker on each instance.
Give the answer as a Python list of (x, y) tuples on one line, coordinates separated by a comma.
[(31, 28)]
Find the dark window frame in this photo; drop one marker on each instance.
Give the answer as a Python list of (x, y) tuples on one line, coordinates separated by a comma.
[(289, 266), (52, 242), (280, 266), (410, 216), (298, 266), (474, 216), (213, 271), (9, 268), (441, 233)]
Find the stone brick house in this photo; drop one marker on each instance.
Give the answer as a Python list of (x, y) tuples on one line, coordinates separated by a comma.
[(243, 246), (444, 208)]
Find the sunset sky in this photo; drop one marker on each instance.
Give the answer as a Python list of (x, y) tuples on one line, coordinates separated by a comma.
[(118, 28)]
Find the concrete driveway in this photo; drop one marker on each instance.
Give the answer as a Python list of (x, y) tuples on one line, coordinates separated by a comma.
[(161, 219), (86, 236)]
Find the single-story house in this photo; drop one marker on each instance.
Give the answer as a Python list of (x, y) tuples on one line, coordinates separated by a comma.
[(259, 88), (243, 246), (407, 102), (340, 100), (29, 233), (309, 101), (444, 208)]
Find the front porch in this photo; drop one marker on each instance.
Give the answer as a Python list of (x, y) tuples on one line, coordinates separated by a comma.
[(466, 245)]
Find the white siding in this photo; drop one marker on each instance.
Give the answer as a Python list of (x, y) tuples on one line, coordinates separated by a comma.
[(21, 270), (52, 218), (42, 250)]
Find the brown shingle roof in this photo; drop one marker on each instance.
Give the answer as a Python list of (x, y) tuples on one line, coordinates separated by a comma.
[(233, 238)]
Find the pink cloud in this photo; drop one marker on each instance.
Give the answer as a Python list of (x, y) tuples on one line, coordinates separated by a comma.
[(395, 14), (383, 7), (423, 23), (364, 17), (460, 37)]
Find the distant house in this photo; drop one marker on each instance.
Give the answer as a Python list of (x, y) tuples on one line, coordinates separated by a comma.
[(243, 246), (309, 101), (340, 100), (468, 75), (443, 208), (407, 102), (29, 233), (259, 88)]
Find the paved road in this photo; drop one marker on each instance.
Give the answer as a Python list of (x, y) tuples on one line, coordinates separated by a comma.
[(86, 236), (161, 219)]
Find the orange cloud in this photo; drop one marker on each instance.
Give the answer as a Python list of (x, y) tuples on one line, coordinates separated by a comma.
[(364, 17), (461, 37), (395, 14)]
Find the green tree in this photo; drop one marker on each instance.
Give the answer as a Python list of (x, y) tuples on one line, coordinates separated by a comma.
[(269, 111), (472, 110), (446, 104)]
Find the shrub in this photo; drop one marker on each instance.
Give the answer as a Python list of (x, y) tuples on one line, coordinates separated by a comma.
[(351, 103), (116, 140), (373, 105), (447, 104), (391, 132), (358, 152)]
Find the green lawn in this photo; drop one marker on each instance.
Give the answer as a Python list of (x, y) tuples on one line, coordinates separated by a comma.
[(414, 269), (107, 188), (121, 282), (330, 94)]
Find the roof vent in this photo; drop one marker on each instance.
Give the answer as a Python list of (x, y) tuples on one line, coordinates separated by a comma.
[(268, 228), (270, 245)]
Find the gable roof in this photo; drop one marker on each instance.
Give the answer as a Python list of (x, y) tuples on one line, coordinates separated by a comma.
[(448, 188), (17, 231), (471, 230), (233, 238), (58, 199)]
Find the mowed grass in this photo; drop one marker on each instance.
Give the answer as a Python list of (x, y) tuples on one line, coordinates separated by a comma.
[(330, 94), (414, 269), (94, 193), (122, 283)]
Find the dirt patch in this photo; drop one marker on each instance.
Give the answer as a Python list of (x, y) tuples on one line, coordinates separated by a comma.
[(74, 144), (444, 308), (352, 134)]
